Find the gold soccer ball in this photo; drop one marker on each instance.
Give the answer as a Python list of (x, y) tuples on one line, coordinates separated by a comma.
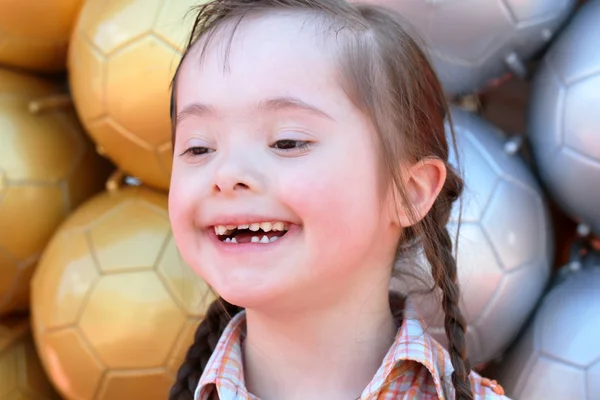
[(47, 167), (35, 34), (21, 374), (114, 306), (122, 58)]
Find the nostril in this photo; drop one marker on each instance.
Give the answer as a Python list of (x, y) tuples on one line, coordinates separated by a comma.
[(241, 186)]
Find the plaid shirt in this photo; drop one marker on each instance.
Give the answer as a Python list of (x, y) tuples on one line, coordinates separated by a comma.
[(416, 367)]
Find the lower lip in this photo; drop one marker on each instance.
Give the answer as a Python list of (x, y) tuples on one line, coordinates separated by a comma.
[(229, 247)]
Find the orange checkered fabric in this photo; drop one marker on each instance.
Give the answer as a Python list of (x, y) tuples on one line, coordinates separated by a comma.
[(416, 367)]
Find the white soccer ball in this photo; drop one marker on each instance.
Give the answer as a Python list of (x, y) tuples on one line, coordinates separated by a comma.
[(564, 125), (475, 41), (558, 355)]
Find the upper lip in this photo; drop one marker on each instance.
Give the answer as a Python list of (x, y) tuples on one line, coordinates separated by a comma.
[(243, 219)]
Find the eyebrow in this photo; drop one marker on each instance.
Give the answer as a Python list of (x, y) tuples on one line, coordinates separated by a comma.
[(270, 105)]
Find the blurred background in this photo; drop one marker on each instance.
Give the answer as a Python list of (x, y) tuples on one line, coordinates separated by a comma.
[(95, 302)]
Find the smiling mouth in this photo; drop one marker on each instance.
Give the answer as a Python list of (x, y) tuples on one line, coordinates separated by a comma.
[(257, 232)]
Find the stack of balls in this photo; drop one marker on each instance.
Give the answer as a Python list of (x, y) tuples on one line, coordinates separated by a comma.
[(95, 300)]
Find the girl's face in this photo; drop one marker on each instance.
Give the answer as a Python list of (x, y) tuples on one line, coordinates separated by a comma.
[(274, 140)]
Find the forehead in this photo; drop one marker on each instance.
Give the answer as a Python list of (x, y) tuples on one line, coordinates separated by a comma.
[(275, 54)]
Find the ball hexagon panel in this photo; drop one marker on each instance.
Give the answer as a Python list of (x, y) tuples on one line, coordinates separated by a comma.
[(129, 20), (573, 310), (477, 168), (126, 97), (581, 117), (555, 372), (64, 294), (523, 13), (115, 383), (557, 355), (91, 60), (131, 305), (168, 21), (65, 353), (514, 246), (495, 334), (478, 266), (452, 13), (113, 239)]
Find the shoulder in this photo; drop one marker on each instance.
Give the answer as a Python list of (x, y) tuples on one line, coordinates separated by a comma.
[(431, 368)]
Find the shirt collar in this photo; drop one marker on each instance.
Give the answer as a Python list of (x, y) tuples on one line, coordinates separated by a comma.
[(225, 367)]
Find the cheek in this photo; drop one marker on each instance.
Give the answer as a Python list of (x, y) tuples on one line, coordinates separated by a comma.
[(338, 198), (182, 202)]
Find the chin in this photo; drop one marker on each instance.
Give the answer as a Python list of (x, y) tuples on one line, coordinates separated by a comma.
[(257, 295)]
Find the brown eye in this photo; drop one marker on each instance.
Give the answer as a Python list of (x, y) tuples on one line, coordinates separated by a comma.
[(197, 151), (288, 144)]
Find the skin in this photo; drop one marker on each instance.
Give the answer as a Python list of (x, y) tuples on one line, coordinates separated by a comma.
[(275, 138)]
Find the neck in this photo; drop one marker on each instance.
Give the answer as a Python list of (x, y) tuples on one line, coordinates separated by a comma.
[(330, 353)]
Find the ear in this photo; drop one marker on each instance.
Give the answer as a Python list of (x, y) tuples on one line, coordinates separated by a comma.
[(423, 182)]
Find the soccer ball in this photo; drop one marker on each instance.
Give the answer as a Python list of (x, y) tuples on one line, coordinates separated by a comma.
[(21, 374), (122, 58), (504, 246), (114, 307), (474, 41), (564, 120), (47, 167), (35, 34), (558, 355)]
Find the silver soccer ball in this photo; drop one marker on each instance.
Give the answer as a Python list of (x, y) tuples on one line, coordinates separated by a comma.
[(504, 248), (474, 41), (558, 355), (564, 120)]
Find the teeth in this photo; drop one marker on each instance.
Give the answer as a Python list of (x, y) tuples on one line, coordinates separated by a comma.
[(255, 239), (274, 238), (227, 240), (233, 240), (264, 239), (254, 227)]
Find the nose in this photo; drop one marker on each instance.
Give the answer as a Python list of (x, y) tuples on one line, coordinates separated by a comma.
[(237, 174)]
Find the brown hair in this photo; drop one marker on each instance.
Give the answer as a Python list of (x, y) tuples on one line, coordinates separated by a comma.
[(388, 76)]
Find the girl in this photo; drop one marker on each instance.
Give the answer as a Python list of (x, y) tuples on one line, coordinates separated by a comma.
[(310, 153)]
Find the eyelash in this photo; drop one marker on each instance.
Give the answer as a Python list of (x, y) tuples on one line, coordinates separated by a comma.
[(299, 145)]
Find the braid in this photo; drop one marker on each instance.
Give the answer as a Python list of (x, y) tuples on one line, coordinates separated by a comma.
[(444, 271), (205, 341)]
